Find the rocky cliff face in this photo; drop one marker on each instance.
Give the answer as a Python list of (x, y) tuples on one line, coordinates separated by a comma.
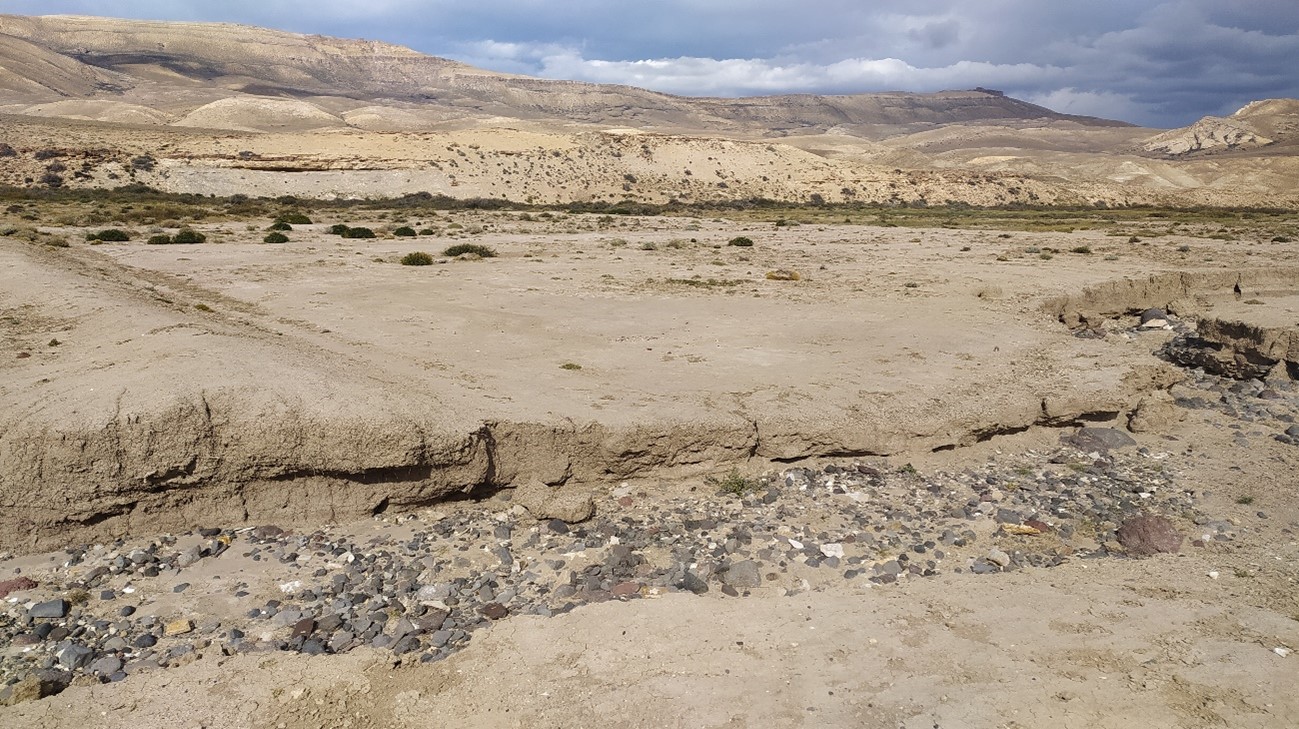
[(1264, 123), (1207, 135)]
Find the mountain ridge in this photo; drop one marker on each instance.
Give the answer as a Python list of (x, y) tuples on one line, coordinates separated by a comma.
[(246, 59), (233, 109)]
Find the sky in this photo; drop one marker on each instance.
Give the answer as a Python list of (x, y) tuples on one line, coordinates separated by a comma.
[(1161, 63)]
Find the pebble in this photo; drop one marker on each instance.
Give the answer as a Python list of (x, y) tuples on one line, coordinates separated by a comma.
[(999, 558), (50, 609), (178, 627), (743, 575), (74, 656)]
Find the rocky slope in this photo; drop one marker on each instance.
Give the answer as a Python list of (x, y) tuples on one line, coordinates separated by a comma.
[(1260, 124)]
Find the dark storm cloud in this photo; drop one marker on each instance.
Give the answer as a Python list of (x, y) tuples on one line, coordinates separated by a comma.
[(1157, 62)]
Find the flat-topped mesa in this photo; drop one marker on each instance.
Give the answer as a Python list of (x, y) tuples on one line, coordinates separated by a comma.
[(223, 54)]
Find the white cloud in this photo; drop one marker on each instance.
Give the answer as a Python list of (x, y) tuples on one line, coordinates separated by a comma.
[(1104, 104), (741, 76)]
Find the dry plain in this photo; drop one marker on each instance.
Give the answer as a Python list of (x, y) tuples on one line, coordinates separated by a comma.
[(320, 382)]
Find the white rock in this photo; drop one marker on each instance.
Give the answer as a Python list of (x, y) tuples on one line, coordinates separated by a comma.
[(832, 550), (795, 544), (293, 586), (1280, 651), (1213, 574)]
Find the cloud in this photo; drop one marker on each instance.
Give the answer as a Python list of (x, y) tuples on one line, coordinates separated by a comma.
[(1104, 104), (937, 34), (1157, 62)]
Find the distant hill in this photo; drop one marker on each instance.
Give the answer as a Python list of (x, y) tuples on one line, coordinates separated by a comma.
[(179, 67), (231, 109), (1260, 125)]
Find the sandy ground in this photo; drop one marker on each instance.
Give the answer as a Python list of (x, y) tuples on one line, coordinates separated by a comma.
[(893, 340), (321, 377)]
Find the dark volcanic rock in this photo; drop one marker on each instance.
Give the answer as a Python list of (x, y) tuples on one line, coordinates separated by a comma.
[(1144, 536), (49, 609), (742, 575), (1101, 440)]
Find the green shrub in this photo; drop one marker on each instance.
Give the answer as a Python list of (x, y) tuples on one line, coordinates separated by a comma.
[(280, 225), (1081, 249), (463, 248), (428, 231), (162, 239), (189, 237), (741, 241), (294, 219), (359, 233), (112, 235), (339, 229), (417, 258), (734, 483), (405, 231), (276, 237)]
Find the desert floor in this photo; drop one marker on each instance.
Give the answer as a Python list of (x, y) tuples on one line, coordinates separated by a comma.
[(629, 358)]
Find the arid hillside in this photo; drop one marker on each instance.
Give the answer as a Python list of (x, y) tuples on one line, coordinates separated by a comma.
[(227, 109), (145, 59)]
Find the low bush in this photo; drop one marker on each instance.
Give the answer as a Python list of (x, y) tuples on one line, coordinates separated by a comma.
[(276, 237), (280, 225), (162, 239), (463, 248), (294, 219), (359, 233), (111, 235), (417, 258), (339, 229), (741, 241), (405, 231), (189, 237)]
